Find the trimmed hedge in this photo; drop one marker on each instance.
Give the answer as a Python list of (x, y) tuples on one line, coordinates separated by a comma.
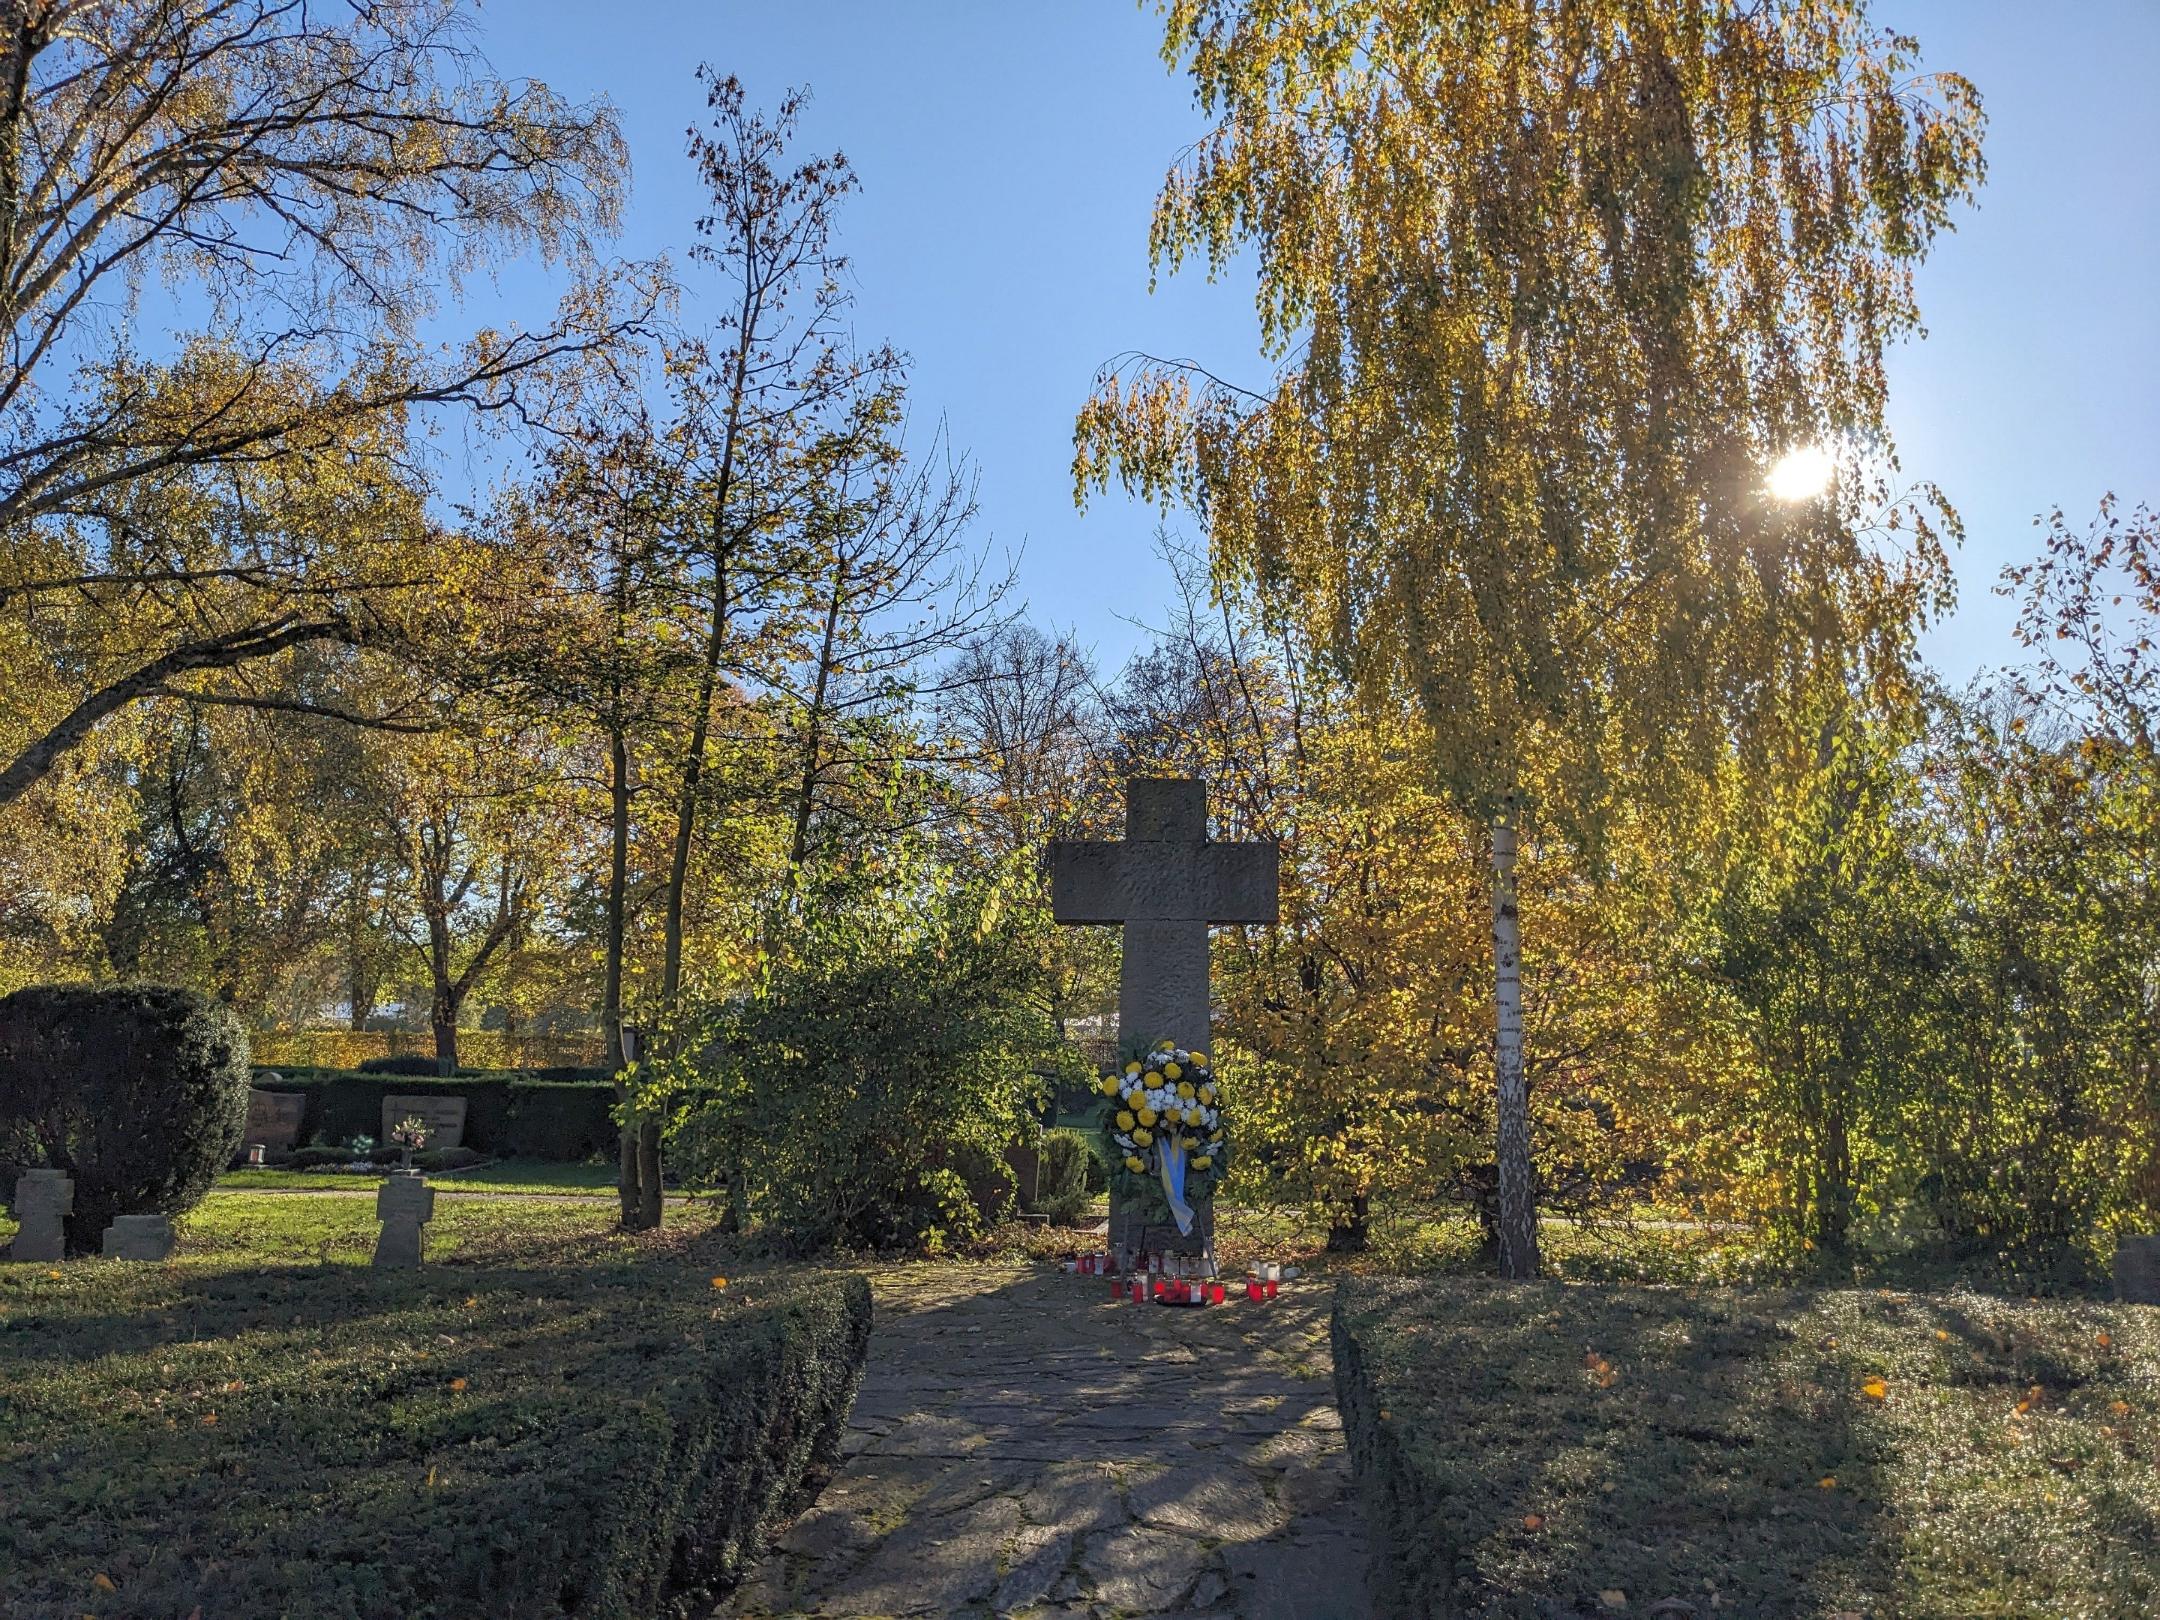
[(139, 1092), (505, 1115), (1550, 1449), (606, 1442)]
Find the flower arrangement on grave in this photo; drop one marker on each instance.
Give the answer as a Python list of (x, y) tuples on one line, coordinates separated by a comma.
[(410, 1134), (1162, 1128)]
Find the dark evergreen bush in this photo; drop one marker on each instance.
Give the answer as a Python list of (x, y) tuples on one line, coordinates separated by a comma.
[(139, 1092), (1061, 1188), (405, 1063)]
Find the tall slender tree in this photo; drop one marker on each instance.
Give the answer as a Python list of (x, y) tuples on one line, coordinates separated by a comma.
[(1552, 283)]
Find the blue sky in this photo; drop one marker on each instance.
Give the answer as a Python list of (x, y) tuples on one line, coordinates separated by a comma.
[(1010, 153)]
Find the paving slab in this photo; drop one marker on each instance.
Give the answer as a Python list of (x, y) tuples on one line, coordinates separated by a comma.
[(1024, 1448)]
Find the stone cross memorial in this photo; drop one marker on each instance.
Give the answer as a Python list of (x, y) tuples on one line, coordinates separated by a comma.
[(43, 1201), (1165, 884), (404, 1205)]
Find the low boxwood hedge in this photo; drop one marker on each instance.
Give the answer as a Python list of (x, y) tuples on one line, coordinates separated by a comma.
[(1548, 1449), (598, 1441), (506, 1115)]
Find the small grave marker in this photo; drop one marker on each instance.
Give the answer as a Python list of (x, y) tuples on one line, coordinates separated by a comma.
[(2137, 1270), (139, 1237), (404, 1205), (273, 1119), (43, 1201)]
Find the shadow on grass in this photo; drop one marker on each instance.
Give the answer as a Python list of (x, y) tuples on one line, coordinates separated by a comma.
[(462, 1440), (1536, 1449)]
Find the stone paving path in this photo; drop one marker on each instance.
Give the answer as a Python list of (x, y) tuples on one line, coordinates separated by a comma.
[(1023, 1448)]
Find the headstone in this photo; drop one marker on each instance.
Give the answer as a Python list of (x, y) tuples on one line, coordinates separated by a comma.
[(2137, 1270), (443, 1116), (139, 1237), (273, 1119), (404, 1205), (1164, 884), (43, 1201)]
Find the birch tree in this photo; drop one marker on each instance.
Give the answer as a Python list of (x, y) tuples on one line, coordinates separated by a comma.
[(1550, 286)]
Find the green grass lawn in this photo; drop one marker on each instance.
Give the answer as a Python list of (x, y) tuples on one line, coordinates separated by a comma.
[(504, 1175), (1551, 1449), (267, 1426)]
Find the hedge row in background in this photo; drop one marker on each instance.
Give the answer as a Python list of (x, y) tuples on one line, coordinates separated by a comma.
[(1535, 1449), (139, 1092), (507, 1116), (485, 1048), (603, 1441)]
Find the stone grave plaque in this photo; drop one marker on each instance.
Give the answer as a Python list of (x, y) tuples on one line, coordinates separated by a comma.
[(139, 1237), (43, 1201), (445, 1117), (273, 1119), (2137, 1270)]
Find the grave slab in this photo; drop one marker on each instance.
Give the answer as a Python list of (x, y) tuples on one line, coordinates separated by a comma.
[(43, 1201)]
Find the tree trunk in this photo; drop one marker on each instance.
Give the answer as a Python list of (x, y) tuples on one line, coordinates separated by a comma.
[(1351, 1231), (648, 1171), (443, 1016), (617, 894), (1518, 1193)]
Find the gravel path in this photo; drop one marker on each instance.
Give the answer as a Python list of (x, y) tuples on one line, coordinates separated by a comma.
[(1023, 1448)]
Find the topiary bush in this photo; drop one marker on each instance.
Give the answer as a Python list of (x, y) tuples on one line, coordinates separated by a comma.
[(139, 1092), (1062, 1184)]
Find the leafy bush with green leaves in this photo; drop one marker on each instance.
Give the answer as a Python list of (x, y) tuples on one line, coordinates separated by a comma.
[(139, 1092), (893, 1040)]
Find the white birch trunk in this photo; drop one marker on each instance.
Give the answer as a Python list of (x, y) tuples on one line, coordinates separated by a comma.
[(1518, 1199)]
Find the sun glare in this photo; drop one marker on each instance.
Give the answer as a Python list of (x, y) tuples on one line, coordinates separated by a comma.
[(1803, 474)]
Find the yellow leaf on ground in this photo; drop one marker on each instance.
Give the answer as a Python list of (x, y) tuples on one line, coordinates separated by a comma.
[(1613, 1598), (1875, 1389), (719, 1282), (103, 1582), (2103, 1339), (2119, 1408), (1533, 1521), (1827, 1483), (457, 1383)]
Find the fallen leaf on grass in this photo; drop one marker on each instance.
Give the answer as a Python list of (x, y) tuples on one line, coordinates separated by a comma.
[(2103, 1339), (1827, 1483), (209, 1420), (719, 1282), (2119, 1408), (1875, 1389), (103, 1582), (457, 1383), (1612, 1598), (1533, 1521)]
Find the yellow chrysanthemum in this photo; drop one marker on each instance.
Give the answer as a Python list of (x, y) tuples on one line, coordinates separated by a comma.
[(1185, 1090), (1193, 1116), (1171, 1071), (1110, 1086), (1200, 1058), (1135, 1163), (1125, 1121), (1202, 1162), (1143, 1136), (1134, 1067), (1148, 1116), (1207, 1095), (1152, 1078)]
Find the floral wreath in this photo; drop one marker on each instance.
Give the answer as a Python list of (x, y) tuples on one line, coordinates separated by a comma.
[(1163, 1103)]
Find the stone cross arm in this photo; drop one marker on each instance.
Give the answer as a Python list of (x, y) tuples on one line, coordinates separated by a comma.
[(1164, 870)]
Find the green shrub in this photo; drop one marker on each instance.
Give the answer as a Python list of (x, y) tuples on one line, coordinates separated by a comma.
[(405, 1063), (878, 1071), (611, 1442), (506, 1116), (139, 1092), (1061, 1187)]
